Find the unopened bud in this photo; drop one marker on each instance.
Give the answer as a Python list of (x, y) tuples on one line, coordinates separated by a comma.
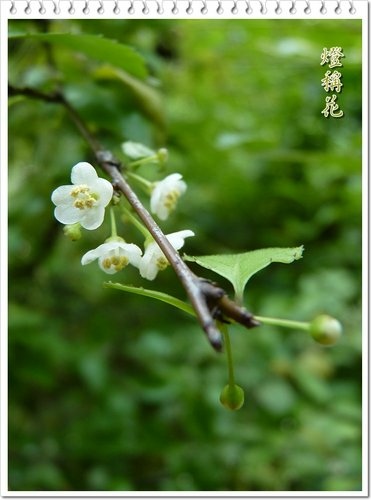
[(232, 397), (116, 198), (73, 231), (325, 330), (162, 155)]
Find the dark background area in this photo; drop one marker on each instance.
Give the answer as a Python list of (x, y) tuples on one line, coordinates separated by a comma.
[(110, 391)]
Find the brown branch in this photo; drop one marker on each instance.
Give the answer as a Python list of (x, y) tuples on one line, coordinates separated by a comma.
[(209, 301), (185, 275)]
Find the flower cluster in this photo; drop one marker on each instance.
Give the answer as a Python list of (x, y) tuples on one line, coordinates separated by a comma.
[(83, 204)]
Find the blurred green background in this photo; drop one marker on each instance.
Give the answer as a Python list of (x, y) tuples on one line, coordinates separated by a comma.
[(109, 391)]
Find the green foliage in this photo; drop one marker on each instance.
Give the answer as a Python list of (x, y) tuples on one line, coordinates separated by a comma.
[(111, 391), (102, 49), (239, 268)]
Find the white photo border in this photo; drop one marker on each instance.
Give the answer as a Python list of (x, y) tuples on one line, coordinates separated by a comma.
[(189, 9)]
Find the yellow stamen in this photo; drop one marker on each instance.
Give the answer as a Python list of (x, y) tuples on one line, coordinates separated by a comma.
[(162, 263), (106, 263), (171, 199), (121, 262), (118, 262), (84, 198)]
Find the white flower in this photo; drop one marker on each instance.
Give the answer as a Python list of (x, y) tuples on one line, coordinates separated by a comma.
[(85, 200), (165, 195), (114, 255), (154, 260)]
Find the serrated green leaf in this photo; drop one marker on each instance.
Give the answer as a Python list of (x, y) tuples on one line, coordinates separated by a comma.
[(238, 268), (96, 47), (154, 294)]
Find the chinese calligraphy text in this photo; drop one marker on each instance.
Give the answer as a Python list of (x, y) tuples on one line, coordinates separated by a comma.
[(332, 80)]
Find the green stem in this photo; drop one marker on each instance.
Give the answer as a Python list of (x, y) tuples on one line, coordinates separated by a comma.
[(228, 349), (137, 223), (238, 297), (147, 185), (113, 223), (297, 325), (144, 161)]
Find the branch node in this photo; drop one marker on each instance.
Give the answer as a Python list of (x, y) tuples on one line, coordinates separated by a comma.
[(105, 156)]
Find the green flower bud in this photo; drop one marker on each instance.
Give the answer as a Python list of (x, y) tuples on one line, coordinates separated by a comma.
[(116, 198), (232, 397), (73, 231), (325, 330), (162, 155)]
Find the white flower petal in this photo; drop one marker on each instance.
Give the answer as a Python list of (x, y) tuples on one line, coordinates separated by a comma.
[(155, 199), (107, 270), (110, 246), (172, 179), (67, 214), (61, 195), (147, 267), (177, 239), (133, 252), (91, 255), (149, 272), (83, 173), (104, 189), (161, 211), (92, 218)]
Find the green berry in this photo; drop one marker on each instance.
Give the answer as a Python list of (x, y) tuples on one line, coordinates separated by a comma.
[(232, 397), (325, 330)]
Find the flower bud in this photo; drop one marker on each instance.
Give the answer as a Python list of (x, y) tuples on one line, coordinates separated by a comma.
[(116, 198), (162, 155), (73, 231), (232, 397), (325, 330)]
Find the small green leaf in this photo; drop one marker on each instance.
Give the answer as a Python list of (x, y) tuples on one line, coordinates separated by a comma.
[(96, 47), (238, 268), (155, 294)]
